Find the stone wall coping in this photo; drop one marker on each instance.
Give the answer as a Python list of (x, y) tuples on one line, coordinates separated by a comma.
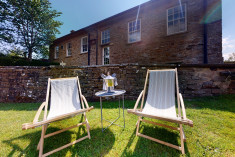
[(125, 65), (208, 65)]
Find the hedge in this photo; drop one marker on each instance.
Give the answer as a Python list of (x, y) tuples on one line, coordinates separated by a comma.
[(17, 61)]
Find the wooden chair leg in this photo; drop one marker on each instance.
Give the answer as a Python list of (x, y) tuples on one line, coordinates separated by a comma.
[(39, 144), (88, 131), (182, 139), (42, 141), (87, 126), (40, 138), (138, 125), (184, 135)]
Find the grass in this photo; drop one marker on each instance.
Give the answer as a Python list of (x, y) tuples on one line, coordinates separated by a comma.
[(212, 135)]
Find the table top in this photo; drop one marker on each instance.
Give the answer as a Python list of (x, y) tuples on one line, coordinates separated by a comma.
[(116, 92)]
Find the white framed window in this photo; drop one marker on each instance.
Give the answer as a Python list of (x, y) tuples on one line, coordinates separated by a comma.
[(68, 49), (176, 19), (105, 55), (105, 37), (134, 31), (84, 44), (56, 52)]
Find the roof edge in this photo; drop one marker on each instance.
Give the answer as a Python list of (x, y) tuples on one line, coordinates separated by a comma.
[(75, 33)]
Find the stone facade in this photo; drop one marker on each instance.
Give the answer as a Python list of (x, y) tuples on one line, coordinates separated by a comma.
[(28, 84), (155, 46)]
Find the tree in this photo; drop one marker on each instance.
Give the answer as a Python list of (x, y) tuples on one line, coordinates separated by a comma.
[(43, 53), (33, 23), (5, 27), (231, 57), (16, 52)]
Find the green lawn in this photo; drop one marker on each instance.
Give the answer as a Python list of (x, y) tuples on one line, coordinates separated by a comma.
[(213, 133)]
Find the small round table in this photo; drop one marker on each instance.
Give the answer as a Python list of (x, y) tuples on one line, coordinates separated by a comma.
[(119, 93)]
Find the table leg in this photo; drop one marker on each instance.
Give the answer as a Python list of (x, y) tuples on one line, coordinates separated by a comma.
[(113, 122), (101, 113), (119, 105), (123, 109)]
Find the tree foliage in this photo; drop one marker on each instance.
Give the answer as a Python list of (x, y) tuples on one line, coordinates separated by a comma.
[(5, 27), (231, 57), (33, 22)]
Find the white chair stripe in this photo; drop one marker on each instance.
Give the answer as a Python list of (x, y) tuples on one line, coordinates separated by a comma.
[(161, 94), (64, 97)]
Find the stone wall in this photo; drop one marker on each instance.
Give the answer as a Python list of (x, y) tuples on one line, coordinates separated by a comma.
[(28, 84)]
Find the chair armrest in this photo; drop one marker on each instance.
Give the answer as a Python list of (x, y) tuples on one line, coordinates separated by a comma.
[(39, 112), (138, 100), (182, 106), (48, 121), (85, 101)]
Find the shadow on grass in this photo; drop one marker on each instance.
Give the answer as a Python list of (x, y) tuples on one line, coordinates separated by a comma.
[(19, 106), (108, 104), (113, 104), (221, 103), (99, 144), (145, 147)]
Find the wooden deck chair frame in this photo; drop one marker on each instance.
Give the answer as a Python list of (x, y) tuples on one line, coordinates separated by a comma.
[(181, 121), (45, 122)]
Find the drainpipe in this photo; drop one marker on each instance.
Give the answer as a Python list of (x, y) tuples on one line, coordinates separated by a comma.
[(96, 50), (205, 52), (89, 49)]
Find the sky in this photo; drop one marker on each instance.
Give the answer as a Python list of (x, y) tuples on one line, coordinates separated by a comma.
[(228, 27), (77, 14), (81, 13)]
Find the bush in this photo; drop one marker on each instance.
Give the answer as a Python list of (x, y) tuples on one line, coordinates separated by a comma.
[(18, 61)]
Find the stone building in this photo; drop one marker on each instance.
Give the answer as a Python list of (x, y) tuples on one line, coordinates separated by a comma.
[(158, 31)]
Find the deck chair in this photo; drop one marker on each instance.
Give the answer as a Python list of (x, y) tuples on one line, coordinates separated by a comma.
[(160, 104), (65, 100)]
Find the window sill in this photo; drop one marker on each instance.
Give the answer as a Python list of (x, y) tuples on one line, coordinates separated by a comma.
[(177, 33), (106, 44), (136, 42), (68, 56), (83, 52)]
